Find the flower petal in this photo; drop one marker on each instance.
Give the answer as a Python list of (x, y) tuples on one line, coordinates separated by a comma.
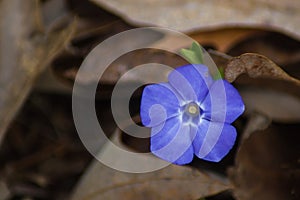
[(173, 141), (162, 134), (223, 103), (191, 81), (224, 144), (158, 104), (213, 140)]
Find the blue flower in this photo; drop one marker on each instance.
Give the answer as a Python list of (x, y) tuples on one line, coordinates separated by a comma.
[(191, 114)]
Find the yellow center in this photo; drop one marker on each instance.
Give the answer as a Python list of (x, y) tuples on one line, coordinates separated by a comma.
[(192, 109)]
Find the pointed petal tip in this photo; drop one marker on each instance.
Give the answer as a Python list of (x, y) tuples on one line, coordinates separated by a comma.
[(214, 146)]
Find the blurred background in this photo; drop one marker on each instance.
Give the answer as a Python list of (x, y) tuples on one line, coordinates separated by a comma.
[(42, 45)]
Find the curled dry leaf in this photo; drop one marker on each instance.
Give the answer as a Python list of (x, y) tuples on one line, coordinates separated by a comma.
[(172, 182), (269, 90), (256, 66), (277, 100)]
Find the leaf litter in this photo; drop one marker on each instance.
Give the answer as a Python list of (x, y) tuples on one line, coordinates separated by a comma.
[(266, 162)]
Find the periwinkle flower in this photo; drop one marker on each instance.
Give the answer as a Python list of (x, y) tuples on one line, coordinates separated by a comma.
[(191, 114)]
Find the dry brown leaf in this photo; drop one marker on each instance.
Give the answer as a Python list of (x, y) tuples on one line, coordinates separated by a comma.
[(267, 165), (190, 15), (256, 66), (24, 53), (269, 90), (172, 182)]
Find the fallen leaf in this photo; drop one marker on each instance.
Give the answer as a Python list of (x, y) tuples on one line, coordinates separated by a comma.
[(191, 15), (172, 182), (256, 66), (25, 52), (266, 89)]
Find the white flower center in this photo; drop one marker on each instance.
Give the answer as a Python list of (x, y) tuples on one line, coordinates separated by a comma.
[(192, 109)]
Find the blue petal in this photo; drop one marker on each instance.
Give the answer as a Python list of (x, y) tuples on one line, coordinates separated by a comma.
[(213, 140), (162, 134), (158, 104), (173, 141), (191, 81), (223, 103)]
